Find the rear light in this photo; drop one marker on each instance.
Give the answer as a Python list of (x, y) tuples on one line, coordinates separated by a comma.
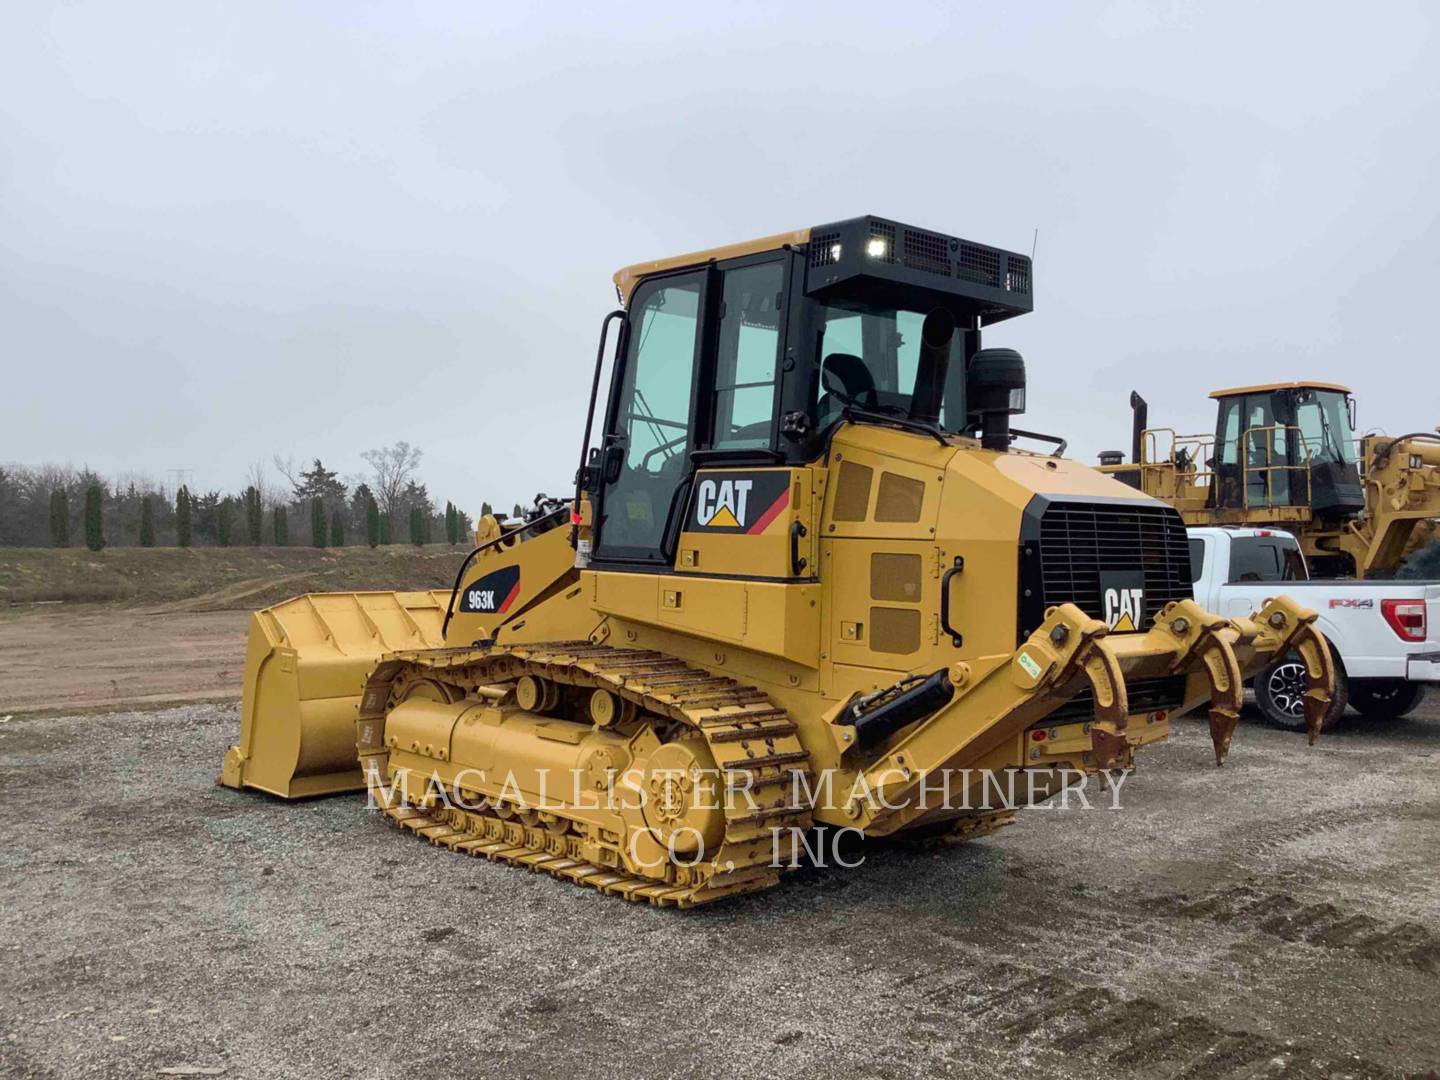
[(1406, 618)]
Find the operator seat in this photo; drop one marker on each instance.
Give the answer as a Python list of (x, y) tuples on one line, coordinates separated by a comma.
[(844, 380), (846, 376)]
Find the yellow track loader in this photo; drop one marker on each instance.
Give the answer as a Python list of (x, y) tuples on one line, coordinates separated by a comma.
[(805, 579), (1286, 455)]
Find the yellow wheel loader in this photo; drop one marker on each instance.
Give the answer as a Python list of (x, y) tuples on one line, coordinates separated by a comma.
[(805, 579), (1286, 455)]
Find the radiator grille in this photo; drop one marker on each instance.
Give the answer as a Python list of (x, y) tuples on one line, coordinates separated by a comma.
[(1144, 695), (1080, 541)]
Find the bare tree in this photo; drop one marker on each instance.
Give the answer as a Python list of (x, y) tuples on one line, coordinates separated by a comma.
[(287, 468), (255, 474), (392, 469)]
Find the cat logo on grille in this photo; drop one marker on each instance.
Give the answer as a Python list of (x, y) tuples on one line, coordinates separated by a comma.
[(1123, 595)]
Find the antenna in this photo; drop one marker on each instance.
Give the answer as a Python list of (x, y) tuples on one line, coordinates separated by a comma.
[(1034, 242), (181, 478)]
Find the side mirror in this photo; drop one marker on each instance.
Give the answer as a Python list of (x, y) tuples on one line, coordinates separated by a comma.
[(614, 460), (589, 478)]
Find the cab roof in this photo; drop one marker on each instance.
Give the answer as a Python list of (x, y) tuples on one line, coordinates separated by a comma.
[(1265, 388), (882, 261), (626, 278)]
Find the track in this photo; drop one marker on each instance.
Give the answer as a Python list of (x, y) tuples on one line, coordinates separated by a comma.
[(753, 741)]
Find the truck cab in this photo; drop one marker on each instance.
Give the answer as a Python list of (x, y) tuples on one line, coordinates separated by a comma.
[(1385, 634)]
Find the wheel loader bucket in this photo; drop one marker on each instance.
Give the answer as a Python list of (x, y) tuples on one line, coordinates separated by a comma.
[(305, 667)]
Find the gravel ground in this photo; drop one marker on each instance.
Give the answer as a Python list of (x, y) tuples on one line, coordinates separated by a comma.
[(1275, 917)]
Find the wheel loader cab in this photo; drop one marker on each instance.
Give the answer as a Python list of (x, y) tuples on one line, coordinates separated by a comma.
[(1284, 445), (739, 363)]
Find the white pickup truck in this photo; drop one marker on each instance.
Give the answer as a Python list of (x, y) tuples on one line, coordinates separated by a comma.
[(1385, 634)]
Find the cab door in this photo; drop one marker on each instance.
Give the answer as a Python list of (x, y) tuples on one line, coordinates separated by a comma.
[(646, 453)]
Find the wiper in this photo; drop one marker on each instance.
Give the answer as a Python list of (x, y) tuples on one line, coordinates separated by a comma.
[(905, 423)]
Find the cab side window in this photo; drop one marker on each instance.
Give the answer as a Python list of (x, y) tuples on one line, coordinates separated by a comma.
[(747, 356)]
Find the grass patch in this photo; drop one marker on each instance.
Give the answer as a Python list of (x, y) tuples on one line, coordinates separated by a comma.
[(238, 577)]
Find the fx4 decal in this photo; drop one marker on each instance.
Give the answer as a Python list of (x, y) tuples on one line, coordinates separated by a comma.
[(738, 502), (492, 594), (1348, 602), (1123, 594)]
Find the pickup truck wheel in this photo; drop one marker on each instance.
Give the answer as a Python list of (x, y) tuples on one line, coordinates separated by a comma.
[(1386, 699), (1280, 694)]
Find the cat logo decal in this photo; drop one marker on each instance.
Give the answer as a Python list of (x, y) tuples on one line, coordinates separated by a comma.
[(1123, 594), (739, 502)]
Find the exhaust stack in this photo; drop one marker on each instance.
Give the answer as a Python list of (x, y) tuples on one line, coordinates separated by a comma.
[(1140, 410)]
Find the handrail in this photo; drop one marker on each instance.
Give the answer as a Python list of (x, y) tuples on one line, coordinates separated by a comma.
[(1054, 440), (590, 418), (1199, 475), (1269, 470)]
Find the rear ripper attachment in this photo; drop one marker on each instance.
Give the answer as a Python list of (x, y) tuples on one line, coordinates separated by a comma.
[(1069, 653)]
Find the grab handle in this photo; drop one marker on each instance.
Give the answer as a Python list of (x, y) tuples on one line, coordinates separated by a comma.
[(956, 638)]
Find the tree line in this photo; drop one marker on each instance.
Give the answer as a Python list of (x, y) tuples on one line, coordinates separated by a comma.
[(59, 506)]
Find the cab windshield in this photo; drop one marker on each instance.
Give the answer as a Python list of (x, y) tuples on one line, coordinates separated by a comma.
[(869, 359), (1323, 417)]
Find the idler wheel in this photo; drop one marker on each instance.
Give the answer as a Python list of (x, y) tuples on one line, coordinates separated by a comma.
[(684, 798)]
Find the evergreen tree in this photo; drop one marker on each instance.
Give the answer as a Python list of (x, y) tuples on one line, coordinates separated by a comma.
[(372, 520), (182, 517), (282, 527), (317, 521), (485, 509), (337, 529), (147, 522), (253, 515), (205, 515), (224, 509), (519, 511), (384, 528), (59, 518), (417, 520), (320, 483), (449, 523), (94, 507)]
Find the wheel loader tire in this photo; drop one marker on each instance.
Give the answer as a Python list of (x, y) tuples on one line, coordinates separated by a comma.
[(1385, 699), (1280, 689)]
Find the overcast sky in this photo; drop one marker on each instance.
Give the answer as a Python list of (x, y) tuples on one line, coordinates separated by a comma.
[(229, 231)]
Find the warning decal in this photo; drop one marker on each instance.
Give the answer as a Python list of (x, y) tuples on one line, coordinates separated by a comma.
[(493, 594), (738, 502)]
